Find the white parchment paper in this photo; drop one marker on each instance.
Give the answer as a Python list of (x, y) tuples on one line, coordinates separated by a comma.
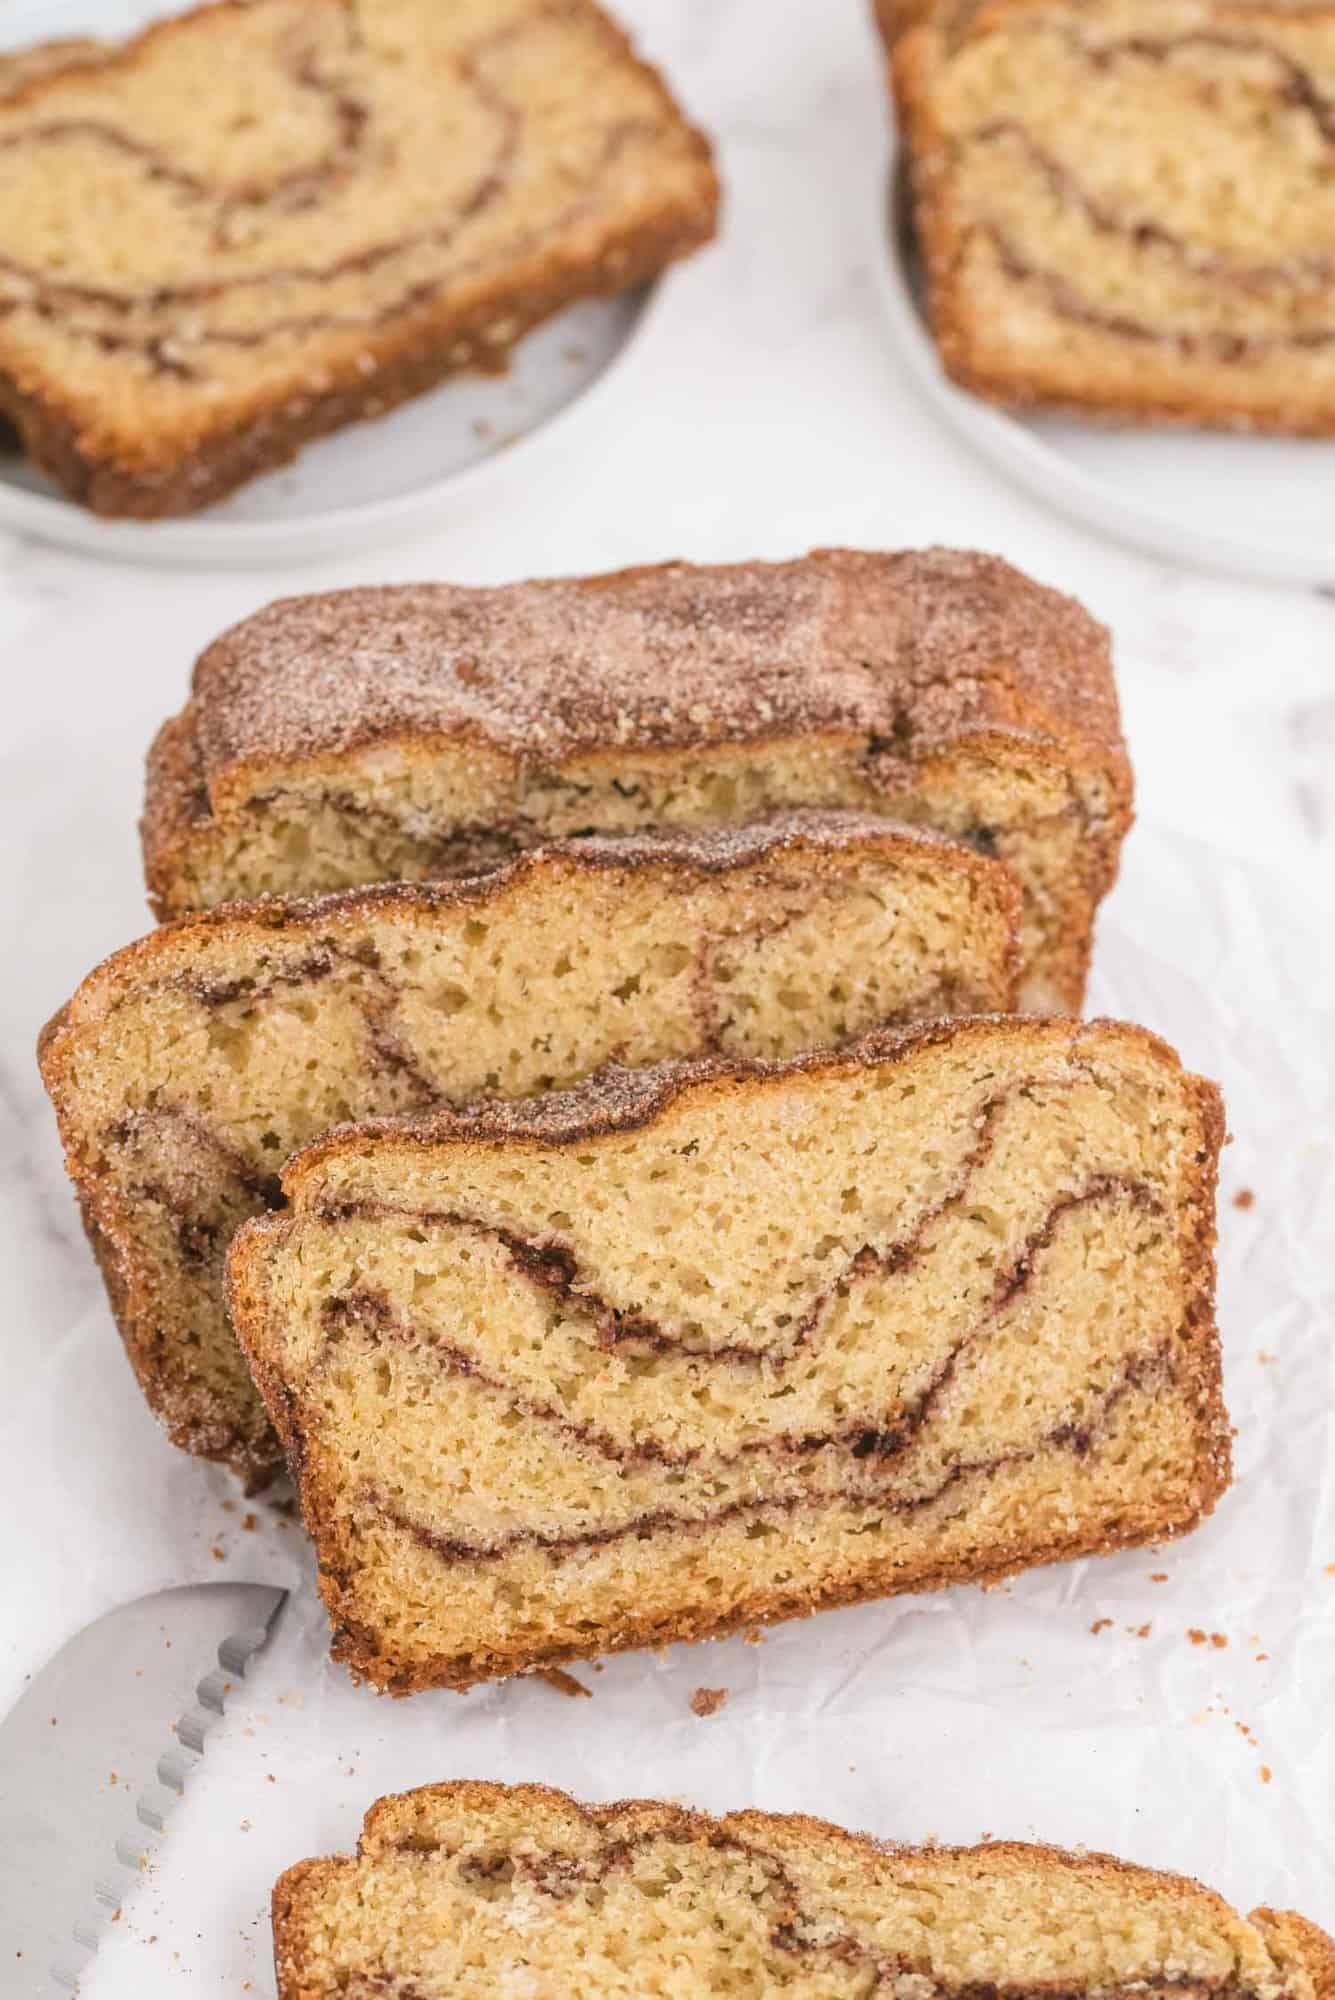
[(1071, 1705)]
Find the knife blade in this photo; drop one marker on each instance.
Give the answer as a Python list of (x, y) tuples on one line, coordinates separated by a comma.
[(121, 1705)]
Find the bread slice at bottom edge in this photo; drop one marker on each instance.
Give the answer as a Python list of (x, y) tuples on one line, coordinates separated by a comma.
[(704, 1346), (472, 1889)]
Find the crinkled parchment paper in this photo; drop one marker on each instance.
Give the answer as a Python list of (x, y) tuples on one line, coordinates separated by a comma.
[(1175, 1706)]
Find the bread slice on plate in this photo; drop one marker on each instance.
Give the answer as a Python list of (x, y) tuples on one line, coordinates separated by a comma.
[(372, 734), (187, 1067), (1108, 262), (690, 1349), (254, 223), (470, 1890)]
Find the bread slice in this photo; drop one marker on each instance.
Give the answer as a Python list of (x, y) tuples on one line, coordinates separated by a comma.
[(255, 223), (687, 1350), (1106, 263), (470, 1890), (371, 734), (187, 1067)]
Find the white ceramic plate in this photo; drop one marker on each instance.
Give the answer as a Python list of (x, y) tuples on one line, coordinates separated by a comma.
[(367, 483), (1261, 507)]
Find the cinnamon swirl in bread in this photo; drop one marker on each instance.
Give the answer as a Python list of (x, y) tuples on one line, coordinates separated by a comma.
[(372, 734), (1163, 255), (187, 1067), (257, 222), (473, 1890), (690, 1349)]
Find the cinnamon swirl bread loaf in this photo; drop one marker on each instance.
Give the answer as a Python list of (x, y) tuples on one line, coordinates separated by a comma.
[(688, 1349), (370, 734), (186, 1068), (254, 223), (468, 1891), (1164, 255)]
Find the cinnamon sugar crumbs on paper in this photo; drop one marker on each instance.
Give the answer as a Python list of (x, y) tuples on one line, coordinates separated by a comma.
[(564, 1683), (708, 1701), (1196, 1636), (1244, 1198), (1100, 1625), (248, 1523), (1159, 1576), (1266, 1774), (1140, 1631), (1218, 1641)]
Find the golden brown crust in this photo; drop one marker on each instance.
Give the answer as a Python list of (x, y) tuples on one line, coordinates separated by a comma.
[(1293, 1938), (920, 646), (402, 1819), (20, 67), (628, 1101), (1178, 379), (157, 473)]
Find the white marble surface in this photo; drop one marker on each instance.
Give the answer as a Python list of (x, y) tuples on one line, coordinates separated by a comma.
[(764, 413)]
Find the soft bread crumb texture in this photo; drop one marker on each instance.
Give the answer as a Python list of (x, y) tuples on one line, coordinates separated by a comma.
[(254, 223), (470, 1890), (1107, 263), (678, 1353), (189, 1066), (414, 731)]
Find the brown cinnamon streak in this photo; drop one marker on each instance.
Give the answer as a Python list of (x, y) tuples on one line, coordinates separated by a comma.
[(304, 187), (1079, 1440), (1295, 86), (867, 1437)]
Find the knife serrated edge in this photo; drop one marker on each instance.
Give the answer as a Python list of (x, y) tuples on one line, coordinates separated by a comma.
[(133, 1850)]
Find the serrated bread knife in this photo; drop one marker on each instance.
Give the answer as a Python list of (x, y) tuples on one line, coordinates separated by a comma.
[(124, 1697)]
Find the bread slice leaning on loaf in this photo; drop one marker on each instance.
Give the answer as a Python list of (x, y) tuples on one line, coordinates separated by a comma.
[(470, 1890), (690, 1349), (188, 1067), (254, 223), (373, 734)]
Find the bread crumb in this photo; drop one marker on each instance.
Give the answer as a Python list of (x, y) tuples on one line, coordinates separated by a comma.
[(708, 1701), (1244, 1198), (1196, 1636), (1218, 1641), (564, 1683), (1266, 1774), (1159, 1576), (1100, 1625), (219, 1555), (1141, 1631), (248, 1523)]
